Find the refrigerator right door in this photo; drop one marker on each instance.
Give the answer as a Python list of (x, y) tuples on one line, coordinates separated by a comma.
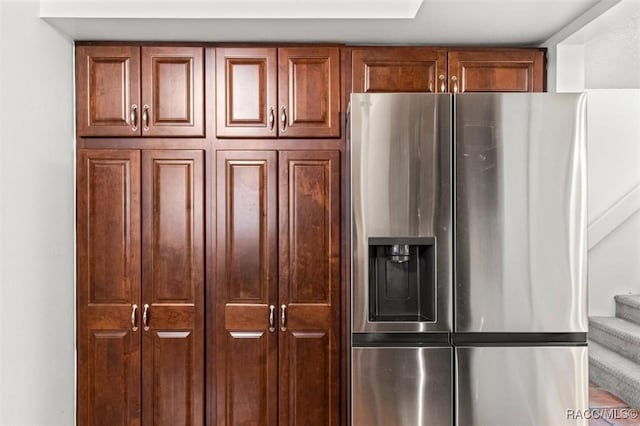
[(520, 213), (524, 386)]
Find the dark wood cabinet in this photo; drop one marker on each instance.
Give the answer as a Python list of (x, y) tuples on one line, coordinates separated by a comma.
[(309, 287), (428, 69), (309, 92), (278, 92), (134, 91), (246, 287), (172, 287), (496, 70), (399, 69), (246, 81), (108, 287), (277, 287), (108, 90), (140, 287), (172, 91)]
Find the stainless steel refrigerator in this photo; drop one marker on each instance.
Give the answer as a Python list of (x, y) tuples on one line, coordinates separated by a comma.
[(468, 261)]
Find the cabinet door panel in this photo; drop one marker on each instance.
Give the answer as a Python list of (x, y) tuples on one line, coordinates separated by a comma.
[(399, 69), (111, 378), (497, 70), (172, 91), (246, 81), (309, 202), (108, 233), (246, 284), (309, 91), (173, 287), (108, 90), (249, 379), (173, 379)]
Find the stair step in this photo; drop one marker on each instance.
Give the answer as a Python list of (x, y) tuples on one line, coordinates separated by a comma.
[(614, 373), (628, 307), (617, 334)]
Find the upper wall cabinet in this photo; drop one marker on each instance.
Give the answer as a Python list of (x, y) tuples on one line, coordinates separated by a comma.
[(496, 70), (134, 91), (289, 92), (399, 69), (427, 69)]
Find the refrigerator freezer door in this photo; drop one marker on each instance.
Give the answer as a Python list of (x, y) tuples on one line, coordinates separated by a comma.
[(401, 386), (506, 386), (400, 173), (520, 213)]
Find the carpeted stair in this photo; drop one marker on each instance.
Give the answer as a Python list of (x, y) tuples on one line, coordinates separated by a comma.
[(614, 350)]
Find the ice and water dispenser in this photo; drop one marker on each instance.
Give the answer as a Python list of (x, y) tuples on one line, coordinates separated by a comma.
[(402, 279)]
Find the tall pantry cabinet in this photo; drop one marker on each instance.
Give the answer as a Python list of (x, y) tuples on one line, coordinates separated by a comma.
[(278, 287), (140, 287), (140, 234)]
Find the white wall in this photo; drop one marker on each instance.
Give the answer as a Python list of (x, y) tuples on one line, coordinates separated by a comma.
[(612, 57), (612, 79), (613, 173), (36, 220)]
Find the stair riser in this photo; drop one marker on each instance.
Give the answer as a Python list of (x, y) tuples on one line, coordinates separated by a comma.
[(628, 312), (607, 380), (627, 348)]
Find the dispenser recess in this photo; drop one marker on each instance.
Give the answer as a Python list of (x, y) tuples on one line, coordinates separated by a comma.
[(402, 279)]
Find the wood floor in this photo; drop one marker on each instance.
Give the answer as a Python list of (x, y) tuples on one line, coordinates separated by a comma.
[(609, 406)]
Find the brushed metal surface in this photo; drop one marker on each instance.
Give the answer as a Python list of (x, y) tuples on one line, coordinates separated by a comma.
[(506, 386), (404, 386), (400, 174), (520, 213)]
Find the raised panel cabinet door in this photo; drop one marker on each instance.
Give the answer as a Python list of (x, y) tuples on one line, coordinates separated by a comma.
[(172, 91), (309, 92), (399, 69), (309, 340), (108, 287), (172, 288), (246, 86), (108, 90), (246, 288), (496, 70)]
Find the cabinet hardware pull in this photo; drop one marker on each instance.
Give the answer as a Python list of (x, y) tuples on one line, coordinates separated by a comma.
[(283, 119), (272, 119), (443, 86), (272, 318), (454, 79), (134, 117), (283, 318), (145, 117), (134, 317), (145, 317)]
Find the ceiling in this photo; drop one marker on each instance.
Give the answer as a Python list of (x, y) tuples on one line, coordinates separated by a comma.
[(437, 22)]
